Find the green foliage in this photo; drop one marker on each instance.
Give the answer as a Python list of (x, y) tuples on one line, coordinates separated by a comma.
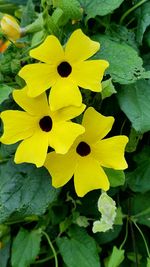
[(116, 258), (79, 249), (138, 180), (30, 208), (25, 254), (134, 101), (5, 90), (21, 191), (125, 68), (99, 7)]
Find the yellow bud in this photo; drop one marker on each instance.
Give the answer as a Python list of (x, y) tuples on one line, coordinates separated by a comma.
[(10, 27)]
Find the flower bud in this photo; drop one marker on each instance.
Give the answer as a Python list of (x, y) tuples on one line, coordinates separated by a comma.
[(10, 27)]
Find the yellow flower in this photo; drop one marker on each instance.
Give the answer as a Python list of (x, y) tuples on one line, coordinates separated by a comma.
[(88, 155), (10, 27), (64, 69), (39, 128)]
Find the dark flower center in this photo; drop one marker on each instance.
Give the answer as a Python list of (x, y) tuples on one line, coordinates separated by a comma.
[(64, 69), (46, 124), (83, 149)]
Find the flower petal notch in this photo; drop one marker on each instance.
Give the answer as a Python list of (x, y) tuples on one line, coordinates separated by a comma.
[(87, 156), (38, 128), (64, 69)]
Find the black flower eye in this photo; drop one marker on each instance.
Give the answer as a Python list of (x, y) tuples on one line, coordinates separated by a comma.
[(83, 149), (46, 124), (64, 69)]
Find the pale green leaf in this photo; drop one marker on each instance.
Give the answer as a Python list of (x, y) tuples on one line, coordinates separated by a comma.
[(107, 89)]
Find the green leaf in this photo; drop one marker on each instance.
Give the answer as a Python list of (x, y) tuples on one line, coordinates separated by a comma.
[(29, 14), (4, 254), (125, 68), (138, 180), (116, 177), (5, 90), (24, 190), (25, 248), (116, 258), (148, 262), (140, 208), (99, 7), (143, 21), (107, 89), (79, 249), (134, 101)]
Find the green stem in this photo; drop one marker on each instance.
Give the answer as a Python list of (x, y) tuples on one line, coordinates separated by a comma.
[(52, 248), (126, 235), (146, 246), (132, 9)]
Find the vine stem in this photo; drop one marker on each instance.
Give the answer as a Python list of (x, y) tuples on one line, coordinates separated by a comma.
[(132, 9), (146, 246), (52, 248), (126, 235)]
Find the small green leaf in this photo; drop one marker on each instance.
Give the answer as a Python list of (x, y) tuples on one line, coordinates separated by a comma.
[(116, 258), (79, 249), (124, 68), (25, 248), (107, 208), (99, 7), (4, 254), (116, 177), (134, 101), (5, 90), (107, 89)]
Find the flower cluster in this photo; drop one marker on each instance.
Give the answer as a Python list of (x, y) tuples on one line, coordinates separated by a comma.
[(45, 118)]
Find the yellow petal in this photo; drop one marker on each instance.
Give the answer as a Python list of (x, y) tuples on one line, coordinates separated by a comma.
[(64, 93), (68, 113), (50, 51), (33, 149), (96, 125), (18, 125), (38, 77), (34, 106), (110, 152), (88, 74), (80, 47), (63, 135), (89, 176), (60, 167)]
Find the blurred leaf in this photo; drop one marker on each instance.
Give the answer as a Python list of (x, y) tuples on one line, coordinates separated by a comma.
[(107, 89), (5, 90), (148, 262), (99, 7), (125, 68), (134, 101), (116, 177), (4, 254), (28, 14), (138, 180), (25, 248), (24, 190), (116, 258), (79, 249), (119, 217), (143, 15)]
